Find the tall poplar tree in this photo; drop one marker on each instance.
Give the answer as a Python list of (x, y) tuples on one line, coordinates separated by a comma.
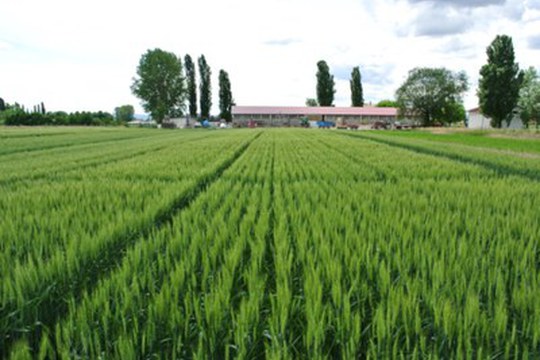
[(225, 96), (500, 81), (205, 87), (357, 93), (325, 85), (191, 85)]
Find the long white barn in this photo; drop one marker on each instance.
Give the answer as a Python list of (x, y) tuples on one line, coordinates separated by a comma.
[(293, 115)]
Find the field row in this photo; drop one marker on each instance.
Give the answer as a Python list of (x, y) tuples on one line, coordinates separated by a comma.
[(273, 244)]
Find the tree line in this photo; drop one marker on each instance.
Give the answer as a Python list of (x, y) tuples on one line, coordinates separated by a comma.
[(164, 83), (18, 115), (326, 87), (435, 95)]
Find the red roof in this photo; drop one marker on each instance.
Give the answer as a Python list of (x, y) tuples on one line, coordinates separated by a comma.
[(318, 110)]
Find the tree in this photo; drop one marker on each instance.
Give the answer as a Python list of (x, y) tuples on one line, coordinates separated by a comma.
[(43, 108), (325, 85), (311, 102), (205, 87), (387, 103), (2, 105), (500, 81), (191, 85), (529, 98), (431, 95), (160, 84), (124, 113), (225, 96), (357, 93)]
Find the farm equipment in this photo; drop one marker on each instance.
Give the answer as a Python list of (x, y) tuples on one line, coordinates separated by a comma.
[(325, 124), (348, 127)]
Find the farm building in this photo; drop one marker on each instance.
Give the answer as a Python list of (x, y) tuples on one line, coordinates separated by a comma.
[(293, 115), (477, 120)]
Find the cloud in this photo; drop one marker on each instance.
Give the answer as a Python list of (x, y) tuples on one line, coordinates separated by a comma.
[(378, 74), (461, 3), (373, 74), (342, 72), (534, 42), (448, 17), (282, 42), (435, 21), (5, 45), (440, 25)]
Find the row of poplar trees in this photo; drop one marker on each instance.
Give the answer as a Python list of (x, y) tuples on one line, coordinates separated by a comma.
[(326, 87), (164, 84)]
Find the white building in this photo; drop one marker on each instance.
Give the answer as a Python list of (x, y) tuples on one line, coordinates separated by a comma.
[(477, 120)]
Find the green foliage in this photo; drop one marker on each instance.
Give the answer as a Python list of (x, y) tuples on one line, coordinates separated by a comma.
[(311, 102), (432, 95), (2, 105), (217, 245), (19, 117), (191, 85), (16, 116), (454, 113), (325, 85), (500, 82), (205, 87), (124, 113), (387, 103), (357, 93), (160, 84), (529, 98), (225, 96)]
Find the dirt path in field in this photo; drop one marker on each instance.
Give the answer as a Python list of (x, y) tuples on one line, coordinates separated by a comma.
[(521, 135), (519, 154), (532, 135)]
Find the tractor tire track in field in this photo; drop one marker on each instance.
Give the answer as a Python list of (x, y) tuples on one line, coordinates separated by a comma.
[(92, 162), (48, 304), (59, 146), (22, 136), (499, 169)]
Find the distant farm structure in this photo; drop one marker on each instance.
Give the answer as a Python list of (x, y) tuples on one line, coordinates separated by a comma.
[(277, 116), (477, 120)]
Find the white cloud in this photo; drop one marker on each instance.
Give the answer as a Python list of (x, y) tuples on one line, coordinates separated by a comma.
[(77, 56)]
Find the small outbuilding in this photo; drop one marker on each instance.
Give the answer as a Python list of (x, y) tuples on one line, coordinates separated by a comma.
[(477, 120)]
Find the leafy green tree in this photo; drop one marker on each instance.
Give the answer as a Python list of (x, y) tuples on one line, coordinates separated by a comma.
[(124, 113), (500, 81), (454, 113), (205, 87), (43, 111), (431, 95), (325, 85), (357, 93), (225, 96), (387, 103), (191, 85), (311, 102), (160, 84), (2, 105), (529, 98)]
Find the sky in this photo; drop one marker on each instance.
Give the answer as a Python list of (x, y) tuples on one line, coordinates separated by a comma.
[(83, 55)]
